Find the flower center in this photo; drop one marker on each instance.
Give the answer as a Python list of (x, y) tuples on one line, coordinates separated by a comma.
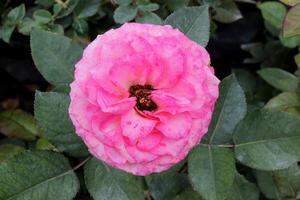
[(143, 99)]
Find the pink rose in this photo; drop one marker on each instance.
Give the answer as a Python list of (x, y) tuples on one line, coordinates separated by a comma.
[(142, 97)]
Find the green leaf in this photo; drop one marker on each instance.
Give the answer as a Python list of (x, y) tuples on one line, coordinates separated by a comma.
[(230, 108), (247, 81), (211, 171), (272, 29), (9, 150), (150, 18), (188, 194), (45, 3), (13, 18), (267, 185), (37, 175), (67, 8), (227, 12), (26, 25), (268, 140), (192, 21), (279, 79), (106, 183), (16, 15), (42, 16), (291, 26), (280, 184), (86, 9), (51, 112), (123, 2), (290, 42), (242, 189), (167, 184), (283, 101), (275, 55), (43, 144), (54, 56), (176, 4), (290, 2), (18, 124), (81, 26), (57, 8), (148, 7), (56, 28), (273, 12), (166, 187), (125, 13)]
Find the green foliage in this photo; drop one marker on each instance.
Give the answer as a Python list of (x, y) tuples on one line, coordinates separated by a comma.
[(291, 25), (268, 140), (290, 2), (168, 184), (42, 16), (149, 17), (211, 171), (36, 175), (226, 11), (273, 12), (51, 112), (10, 22), (54, 56), (43, 144), (125, 13), (18, 124), (280, 184), (242, 189), (229, 110), (193, 21), (86, 9), (106, 183), (284, 101), (9, 150), (189, 194), (279, 79), (251, 150)]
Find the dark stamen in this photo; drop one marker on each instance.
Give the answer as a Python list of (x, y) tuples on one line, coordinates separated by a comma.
[(143, 99)]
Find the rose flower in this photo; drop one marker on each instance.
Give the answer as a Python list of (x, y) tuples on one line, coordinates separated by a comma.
[(142, 97)]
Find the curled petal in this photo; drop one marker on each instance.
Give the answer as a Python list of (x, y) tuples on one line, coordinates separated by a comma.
[(114, 104)]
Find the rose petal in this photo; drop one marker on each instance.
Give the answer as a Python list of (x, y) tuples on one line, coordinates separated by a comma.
[(177, 126), (134, 126), (150, 141)]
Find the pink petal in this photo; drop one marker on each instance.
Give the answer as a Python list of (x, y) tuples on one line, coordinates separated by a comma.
[(139, 155), (150, 141), (114, 104), (177, 126), (128, 71), (168, 102), (134, 126)]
